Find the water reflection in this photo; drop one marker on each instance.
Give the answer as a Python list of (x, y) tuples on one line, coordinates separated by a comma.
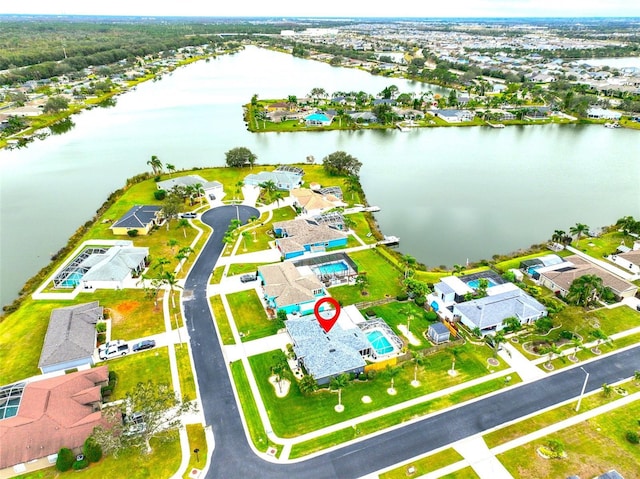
[(63, 126)]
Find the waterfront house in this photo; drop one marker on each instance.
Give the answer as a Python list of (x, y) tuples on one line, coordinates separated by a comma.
[(209, 188), (488, 313), (453, 116), (559, 281), (286, 289), (451, 289), (70, 340), (629, 260), (51, 413), (295, 237), (315, 203), (141, 218), (603, 114), (285, 178)]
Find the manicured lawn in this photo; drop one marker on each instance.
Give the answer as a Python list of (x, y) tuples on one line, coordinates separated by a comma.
[(140, 367), (226, 335), (593, 447), (243, 268), (396, 313), (384, 279), (250, 317), (604, 245), (249, 409), (21, 339), (162, 462), (297, 414), (361, 227), (466, 473), (425, 465), (216, 277), (197, 440), (398, 417), (132, 314), (259, 236), (535, 423), (514, 263), (187, 382)]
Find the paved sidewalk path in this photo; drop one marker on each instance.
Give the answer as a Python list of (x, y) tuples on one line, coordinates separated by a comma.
[(483, 461), (527, 370)]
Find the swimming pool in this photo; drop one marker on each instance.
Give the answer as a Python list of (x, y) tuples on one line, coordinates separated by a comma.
[(475, 284), (333, 268), (379, 342), (72, 280)]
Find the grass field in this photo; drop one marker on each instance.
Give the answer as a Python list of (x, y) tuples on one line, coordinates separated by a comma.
[(140, 367), (424, 465), (187, 382), (249, 409), (197, 440), (226, 335), (250, 317), (297, 414), (396, 313), (593, 447)]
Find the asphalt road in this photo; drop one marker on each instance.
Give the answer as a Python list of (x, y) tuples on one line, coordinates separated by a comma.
[(232, 456)]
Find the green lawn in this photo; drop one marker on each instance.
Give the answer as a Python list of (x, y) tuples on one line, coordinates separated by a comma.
[(132, 314), (361, 227), (187, 382), (260, 236), (604, 245), (242, 268), (140, 367), (297, 414), (384, 278), (197, 440), (250, 317), (425, 465), (226, 335), (535, 423), (162, 462), (249, 408), (593, 447), (396, 313), (466, 473)]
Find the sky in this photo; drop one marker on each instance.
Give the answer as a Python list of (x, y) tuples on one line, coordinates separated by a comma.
[(332, 8)]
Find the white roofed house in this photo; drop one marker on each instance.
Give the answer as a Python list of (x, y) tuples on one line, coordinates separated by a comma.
[(629, 260), (488, 313)]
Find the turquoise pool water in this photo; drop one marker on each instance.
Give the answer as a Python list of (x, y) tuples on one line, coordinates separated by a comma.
[(72, 280), (475, 284), (379, 342), (332, 268)]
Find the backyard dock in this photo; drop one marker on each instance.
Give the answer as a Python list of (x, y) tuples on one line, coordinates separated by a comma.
[(495, 125), (390, 241)]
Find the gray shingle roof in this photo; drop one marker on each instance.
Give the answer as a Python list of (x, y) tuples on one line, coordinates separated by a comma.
[(71, 334), (492, 310), (284, 282), (115, 264), (300, 232), (327, 354), (138, 216)]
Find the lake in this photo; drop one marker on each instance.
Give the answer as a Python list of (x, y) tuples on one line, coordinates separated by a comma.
[(448, 193)]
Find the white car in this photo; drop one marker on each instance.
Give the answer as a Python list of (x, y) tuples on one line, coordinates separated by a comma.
[(112, 349)]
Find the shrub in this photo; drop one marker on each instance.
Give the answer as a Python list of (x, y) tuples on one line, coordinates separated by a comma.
[(370, 312), (101, 327), (564, 334), (544, 324), (160, 195), (420, 300), (633, 437), (102, 337), (402, 297), (81, 464), (92, 450), (431, 316), (132, 233), (65, 460)]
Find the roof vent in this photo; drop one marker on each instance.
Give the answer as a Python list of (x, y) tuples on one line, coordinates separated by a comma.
[(332, 350)]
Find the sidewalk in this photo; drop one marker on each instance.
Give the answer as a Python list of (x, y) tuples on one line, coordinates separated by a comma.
[(527, 370)]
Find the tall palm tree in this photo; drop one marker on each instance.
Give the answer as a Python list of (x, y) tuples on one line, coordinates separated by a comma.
[(578, 230), (409, 263), (558, 236), (418, 360), (160, 262), (339, 383), (170, 168), (458, 268), (391, 373), (585, 290), (169, 279), (183, 223), (155, 164)]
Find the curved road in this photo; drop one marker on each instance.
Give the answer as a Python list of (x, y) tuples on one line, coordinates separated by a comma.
[(232, 456)]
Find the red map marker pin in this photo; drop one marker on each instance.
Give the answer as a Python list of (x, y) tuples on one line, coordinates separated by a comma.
[(327, 323)]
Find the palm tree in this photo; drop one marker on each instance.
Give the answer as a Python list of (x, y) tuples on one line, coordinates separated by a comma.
[(339, 383), (409, 263), (418, 360), (160, 262), (577, 344), (585, 290), (245, 235), (277, 196), (307, 384), (269, 187), (391, 373), (279, 369), (578, 230), (349, 223), (169, 279), (457, 269), (155, 164), (170, 168), (558, 236), (362, 281), (183, 223), (352, 184), (198, 190), (606, 390), (172, 243)]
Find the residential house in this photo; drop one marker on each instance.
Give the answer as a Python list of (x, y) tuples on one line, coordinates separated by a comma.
[(211, 189), (453, 116), (141, 218), (280, 106), (70, 340), (488, 313), (286, 289), (537, 113), (315, 203), (560, 280), (326, 355), (284, 179), (103, 268), (51, 413), (628, 260), (438, 333), (603, 114), (295, 237), (451, 289), (363, 117)]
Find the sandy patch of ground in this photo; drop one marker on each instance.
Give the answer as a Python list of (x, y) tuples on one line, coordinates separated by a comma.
[(366, 399), (281, 388), (409, 335)]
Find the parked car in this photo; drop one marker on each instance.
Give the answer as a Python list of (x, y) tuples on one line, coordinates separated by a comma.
[(144, 344), (134, 424), (114, 351), (189, 214), (245, 278), (109, 344)]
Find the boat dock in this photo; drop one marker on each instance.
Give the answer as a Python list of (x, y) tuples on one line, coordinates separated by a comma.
[(495, 125), (390, 241)]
